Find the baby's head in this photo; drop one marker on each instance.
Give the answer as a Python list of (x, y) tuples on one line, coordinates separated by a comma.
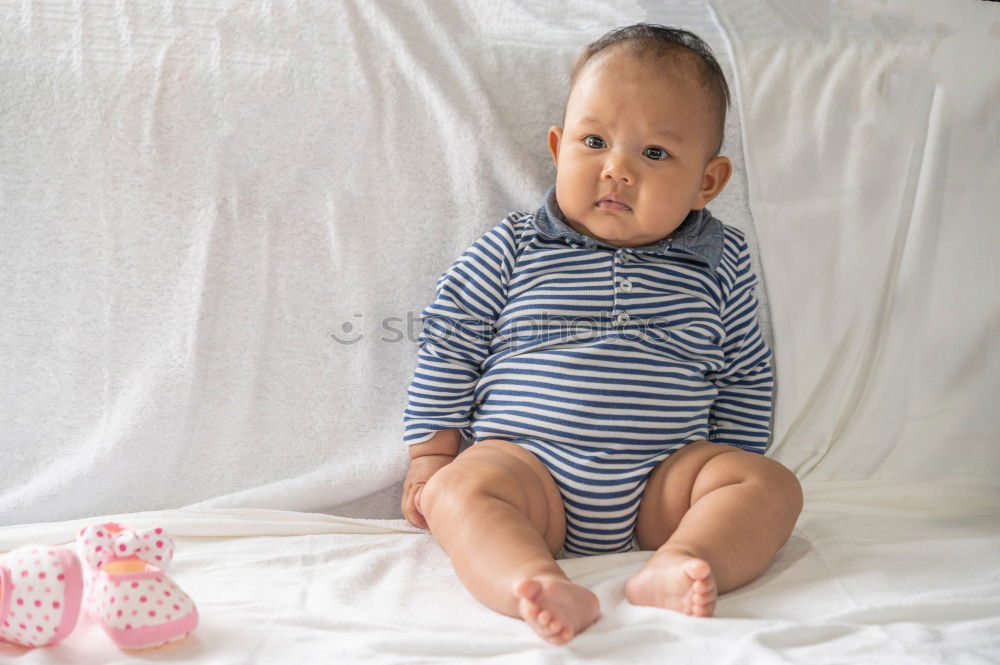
[(642, 130)]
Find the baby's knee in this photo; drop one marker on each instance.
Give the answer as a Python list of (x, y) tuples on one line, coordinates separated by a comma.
[(790, 487), (781, 484), (733, 466), (451, 488)]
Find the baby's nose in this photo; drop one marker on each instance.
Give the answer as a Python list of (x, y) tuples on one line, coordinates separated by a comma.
[(618, 169)]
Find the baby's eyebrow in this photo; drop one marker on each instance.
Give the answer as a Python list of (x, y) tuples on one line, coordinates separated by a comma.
[(666, 133), (660, 132)]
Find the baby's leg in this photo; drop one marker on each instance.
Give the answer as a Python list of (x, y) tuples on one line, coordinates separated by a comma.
[(716, 516), (498, 515)]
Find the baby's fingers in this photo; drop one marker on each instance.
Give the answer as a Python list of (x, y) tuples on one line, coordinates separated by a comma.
[(411, 511), (416, 498)]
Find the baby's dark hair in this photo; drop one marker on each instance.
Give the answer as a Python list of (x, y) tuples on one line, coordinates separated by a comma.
[(662, 41)]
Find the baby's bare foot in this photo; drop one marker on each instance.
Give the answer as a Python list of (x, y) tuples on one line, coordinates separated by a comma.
[(675, 580), (556, 608)]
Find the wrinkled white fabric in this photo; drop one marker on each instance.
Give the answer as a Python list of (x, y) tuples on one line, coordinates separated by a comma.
[(872, 136), (221, 221), (859, 581)]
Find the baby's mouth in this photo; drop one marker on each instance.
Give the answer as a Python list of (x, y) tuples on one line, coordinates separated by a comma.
[(612, 203)]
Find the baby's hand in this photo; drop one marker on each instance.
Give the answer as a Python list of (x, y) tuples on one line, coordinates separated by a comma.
[(420, 471)]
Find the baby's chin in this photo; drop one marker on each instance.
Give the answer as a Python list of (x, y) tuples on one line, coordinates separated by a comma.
[(620, 240), (589, 232)]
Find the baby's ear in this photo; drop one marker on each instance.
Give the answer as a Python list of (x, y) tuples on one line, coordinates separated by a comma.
[(717, 173), (555, 138)]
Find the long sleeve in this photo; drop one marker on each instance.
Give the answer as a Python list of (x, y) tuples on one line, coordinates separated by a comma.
[(456, 332), (741, 414)]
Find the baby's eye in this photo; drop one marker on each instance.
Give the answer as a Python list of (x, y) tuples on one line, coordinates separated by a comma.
[(653, 152), (595, 142)]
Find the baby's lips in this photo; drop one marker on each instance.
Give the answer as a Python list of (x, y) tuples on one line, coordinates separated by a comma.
[(611, 204)]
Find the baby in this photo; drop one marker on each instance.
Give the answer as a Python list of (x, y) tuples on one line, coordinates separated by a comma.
[(604, 356)]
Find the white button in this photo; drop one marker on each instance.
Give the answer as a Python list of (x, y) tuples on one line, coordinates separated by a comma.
[(623, 318), (626, 285)]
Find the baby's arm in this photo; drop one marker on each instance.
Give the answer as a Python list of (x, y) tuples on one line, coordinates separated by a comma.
[(425, 460), (454, 342), (457, 330), (741, 413)]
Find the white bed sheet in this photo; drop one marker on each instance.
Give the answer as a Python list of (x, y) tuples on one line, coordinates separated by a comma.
[(889, 577)]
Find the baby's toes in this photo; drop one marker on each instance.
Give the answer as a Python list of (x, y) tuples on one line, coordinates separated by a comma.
[(702, 598), (529, 611), (549, 626), (702, 605), (704, 587), (560, 638), (557, 633)]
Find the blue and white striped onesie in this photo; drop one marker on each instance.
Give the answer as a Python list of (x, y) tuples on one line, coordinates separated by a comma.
[(600, 360)]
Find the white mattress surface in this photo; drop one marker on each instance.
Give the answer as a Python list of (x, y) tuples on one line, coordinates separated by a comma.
[(889, 577)]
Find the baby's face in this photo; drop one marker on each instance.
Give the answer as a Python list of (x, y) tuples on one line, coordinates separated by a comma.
[(634, 156)]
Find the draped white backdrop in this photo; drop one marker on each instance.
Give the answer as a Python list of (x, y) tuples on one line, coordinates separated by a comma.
[(221, 222)]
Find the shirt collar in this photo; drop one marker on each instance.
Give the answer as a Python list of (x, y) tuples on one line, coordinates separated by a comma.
[(699, 234)]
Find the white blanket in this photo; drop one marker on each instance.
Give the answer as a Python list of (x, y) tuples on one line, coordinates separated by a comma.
[(860, 581), (219, 222)]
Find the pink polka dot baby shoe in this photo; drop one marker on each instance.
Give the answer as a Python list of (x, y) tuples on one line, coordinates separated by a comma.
[(127, 590), (40, 592)]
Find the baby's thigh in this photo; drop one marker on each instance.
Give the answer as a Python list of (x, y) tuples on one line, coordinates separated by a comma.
[(496, 469), (677, 482)]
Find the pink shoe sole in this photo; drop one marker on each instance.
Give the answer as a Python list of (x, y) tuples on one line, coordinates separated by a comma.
[(152, 636)]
